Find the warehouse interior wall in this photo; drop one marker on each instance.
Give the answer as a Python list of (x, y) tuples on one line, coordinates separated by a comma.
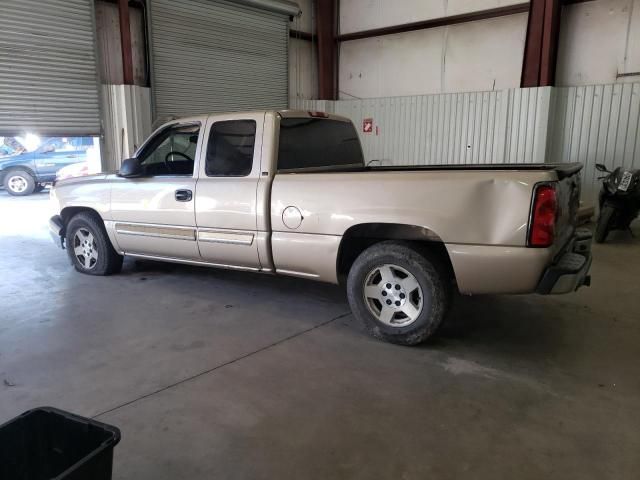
[(303, 69), (359, 15), (501, 126), (599, 43), (586, 124), (126, 109), (303, 54), (48, 70), (451, 94), (596, 124), (110, 46), (126, 122), (474, 56)]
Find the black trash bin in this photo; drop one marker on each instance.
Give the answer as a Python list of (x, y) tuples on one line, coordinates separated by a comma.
[(50, 444)]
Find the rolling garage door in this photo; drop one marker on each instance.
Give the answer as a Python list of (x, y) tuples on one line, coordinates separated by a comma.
[(218, 56), (48, 82)]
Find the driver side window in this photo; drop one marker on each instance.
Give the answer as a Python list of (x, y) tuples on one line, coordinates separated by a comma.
[(171, 152)]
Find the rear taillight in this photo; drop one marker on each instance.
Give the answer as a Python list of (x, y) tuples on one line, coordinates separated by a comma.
[(543, 219)]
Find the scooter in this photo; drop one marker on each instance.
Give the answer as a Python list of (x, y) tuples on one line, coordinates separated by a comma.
[(619, 200)]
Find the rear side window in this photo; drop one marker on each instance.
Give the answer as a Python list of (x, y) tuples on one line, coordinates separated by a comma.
[(318, 143), (230, 148)]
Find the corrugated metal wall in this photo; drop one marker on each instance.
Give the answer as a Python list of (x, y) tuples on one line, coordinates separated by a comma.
[(127, 122), (596, 124), (570, 124), (506, 126)]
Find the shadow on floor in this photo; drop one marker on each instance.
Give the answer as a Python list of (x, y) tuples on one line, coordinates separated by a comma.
[(508, 325)]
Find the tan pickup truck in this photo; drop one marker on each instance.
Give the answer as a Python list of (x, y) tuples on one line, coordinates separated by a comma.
[(288, 193)]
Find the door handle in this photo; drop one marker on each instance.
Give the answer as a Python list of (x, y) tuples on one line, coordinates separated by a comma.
[(184, 195)]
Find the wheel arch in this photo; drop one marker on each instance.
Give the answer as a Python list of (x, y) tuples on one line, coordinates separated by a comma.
[(67, 213), (108, 260), (361, 236), (24, 168)]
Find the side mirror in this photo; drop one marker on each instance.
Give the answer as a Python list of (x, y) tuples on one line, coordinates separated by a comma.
[(601, 168), (130, 168)]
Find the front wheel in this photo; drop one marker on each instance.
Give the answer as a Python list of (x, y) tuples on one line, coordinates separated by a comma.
[(604, 223), (19, 183), (398, 294), (89, 248)]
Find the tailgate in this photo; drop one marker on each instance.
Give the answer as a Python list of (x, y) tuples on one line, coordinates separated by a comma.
[(568, 195)]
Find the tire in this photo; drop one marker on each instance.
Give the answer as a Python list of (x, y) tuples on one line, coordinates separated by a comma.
[(19, 183), (604, 223), (418, 301), (89, 247)]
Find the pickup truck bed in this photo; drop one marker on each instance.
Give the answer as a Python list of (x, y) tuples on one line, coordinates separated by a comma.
[(479, 215), (288, 193)]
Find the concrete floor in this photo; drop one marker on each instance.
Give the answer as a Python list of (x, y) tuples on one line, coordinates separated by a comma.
[(217, 374)]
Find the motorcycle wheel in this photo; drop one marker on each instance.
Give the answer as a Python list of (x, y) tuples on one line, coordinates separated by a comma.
[(603, 226)]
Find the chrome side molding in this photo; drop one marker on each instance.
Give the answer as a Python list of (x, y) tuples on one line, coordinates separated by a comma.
[(226, 237), (151, 230)]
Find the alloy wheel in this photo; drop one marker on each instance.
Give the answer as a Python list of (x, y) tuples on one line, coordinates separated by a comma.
[(393, 295), (17, 183), (85, 248)]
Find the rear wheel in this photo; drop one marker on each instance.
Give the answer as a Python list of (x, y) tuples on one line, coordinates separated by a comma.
[(19, 183), (89, 248), (604, 223), (399, 295)]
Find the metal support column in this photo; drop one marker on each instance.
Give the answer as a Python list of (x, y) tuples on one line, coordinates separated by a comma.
[(125, 40), (541, 45), (326, 11)]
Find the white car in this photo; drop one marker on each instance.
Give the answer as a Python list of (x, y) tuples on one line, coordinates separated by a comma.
[(74, 170)]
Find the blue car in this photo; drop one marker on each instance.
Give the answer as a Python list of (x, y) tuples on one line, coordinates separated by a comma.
[(28, 172)]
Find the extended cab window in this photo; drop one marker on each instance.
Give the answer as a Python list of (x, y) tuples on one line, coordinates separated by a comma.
[(318, 143), (171, 152), (230, 148)]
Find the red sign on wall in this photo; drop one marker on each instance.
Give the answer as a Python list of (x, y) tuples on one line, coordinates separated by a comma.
[(367, 125)]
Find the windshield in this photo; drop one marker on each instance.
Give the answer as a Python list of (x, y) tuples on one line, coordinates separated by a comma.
[(10, 146)]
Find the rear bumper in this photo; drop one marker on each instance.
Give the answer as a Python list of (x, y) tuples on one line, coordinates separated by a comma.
[(56, 230), (571, 269)]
